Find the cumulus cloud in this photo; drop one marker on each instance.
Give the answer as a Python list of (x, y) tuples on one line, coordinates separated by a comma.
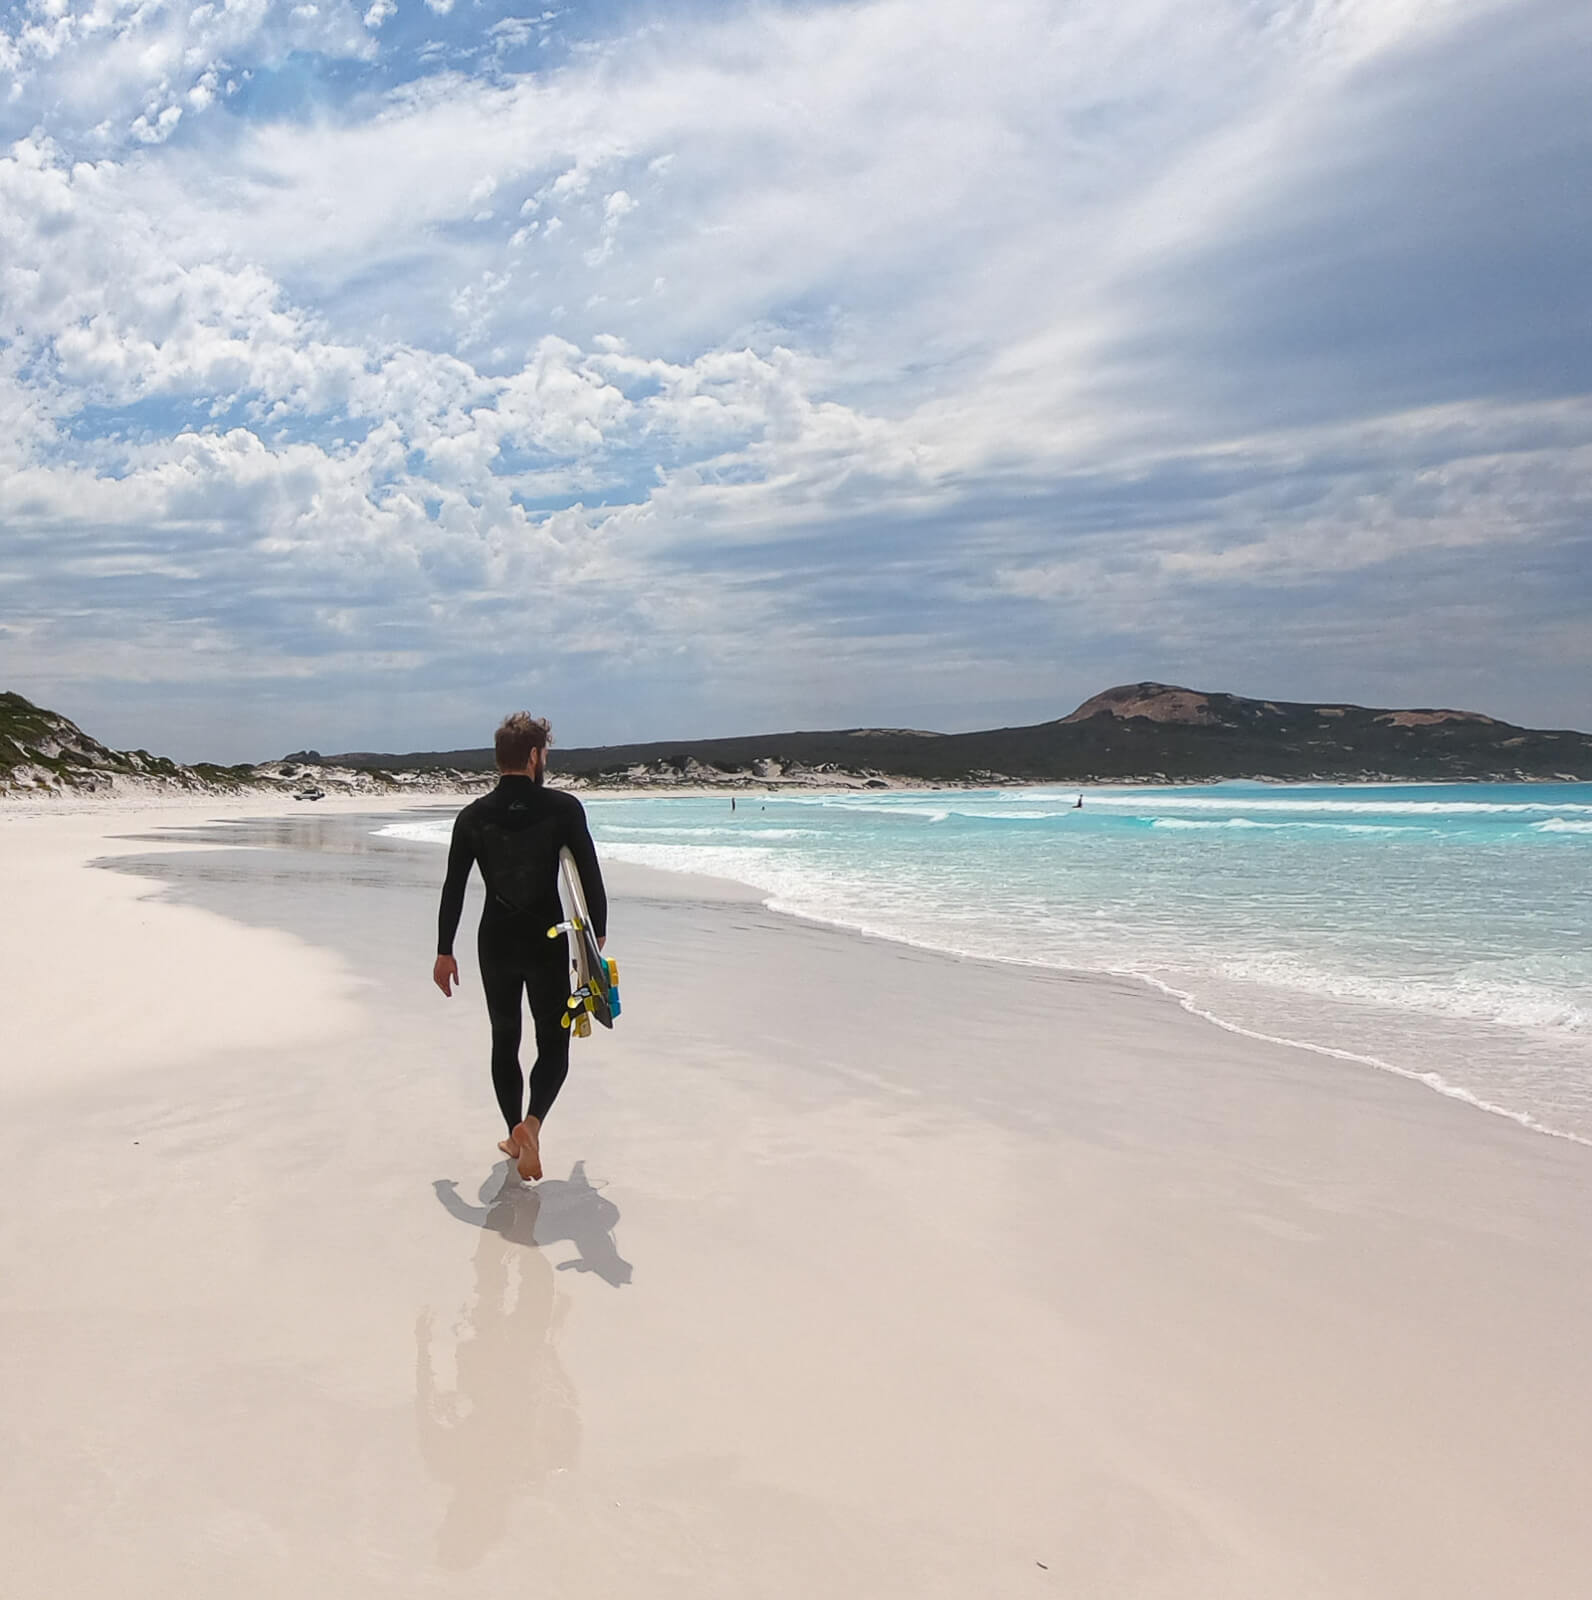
[(106, 72), (831, 362)]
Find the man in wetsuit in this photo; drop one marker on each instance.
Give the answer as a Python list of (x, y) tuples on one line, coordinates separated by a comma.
[(515, 834)]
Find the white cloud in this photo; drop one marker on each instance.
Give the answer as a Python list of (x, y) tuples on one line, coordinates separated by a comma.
[(154, 129), (616, 207), (116, 64)]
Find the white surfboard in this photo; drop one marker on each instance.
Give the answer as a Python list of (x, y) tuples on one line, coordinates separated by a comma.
[(593, 992)]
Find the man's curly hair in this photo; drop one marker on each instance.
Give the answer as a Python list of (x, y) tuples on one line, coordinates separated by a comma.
[(518, 735)]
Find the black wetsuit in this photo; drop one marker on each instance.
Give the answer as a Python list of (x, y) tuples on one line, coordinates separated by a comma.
[(515, 833)]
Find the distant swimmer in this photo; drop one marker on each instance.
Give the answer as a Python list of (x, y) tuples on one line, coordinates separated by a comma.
[(1079, 806), (732, 802), (515, 834)]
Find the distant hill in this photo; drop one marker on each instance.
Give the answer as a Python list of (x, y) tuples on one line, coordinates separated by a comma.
[(42, 751), (1144, 732), (1139, 731)]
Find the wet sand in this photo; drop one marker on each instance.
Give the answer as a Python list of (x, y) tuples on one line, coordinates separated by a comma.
[(858, 1270)]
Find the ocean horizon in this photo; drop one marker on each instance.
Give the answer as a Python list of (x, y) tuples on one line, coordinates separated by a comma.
[(1439, 931)]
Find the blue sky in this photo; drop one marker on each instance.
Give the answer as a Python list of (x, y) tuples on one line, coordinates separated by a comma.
[(367, 371)]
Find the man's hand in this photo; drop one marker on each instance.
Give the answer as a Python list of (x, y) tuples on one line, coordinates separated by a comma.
[(445, 974)]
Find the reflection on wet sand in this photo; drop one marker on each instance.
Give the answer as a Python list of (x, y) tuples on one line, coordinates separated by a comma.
[(511, 1418)]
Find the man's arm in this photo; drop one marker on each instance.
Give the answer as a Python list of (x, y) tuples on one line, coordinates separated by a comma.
[(591, 875), (461, 857)]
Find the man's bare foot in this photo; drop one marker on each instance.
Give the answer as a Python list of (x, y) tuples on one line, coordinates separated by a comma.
[(529, 1162), (509, 1148)]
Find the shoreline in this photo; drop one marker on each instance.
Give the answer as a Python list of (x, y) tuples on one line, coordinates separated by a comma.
[(649, 879), (655, 883), (1185, 1002), (242, 809), (694, 885), (1209, 1011)]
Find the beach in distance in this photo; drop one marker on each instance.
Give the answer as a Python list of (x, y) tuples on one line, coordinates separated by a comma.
[(1185, 1196)]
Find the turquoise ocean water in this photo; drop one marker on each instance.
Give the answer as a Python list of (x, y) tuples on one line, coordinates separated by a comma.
[(1442, 932)]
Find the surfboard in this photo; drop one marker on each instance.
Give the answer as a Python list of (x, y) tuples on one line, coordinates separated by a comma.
[(594, 984)]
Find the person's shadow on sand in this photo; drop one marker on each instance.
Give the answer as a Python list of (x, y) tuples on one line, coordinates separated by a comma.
[(564, 1208)]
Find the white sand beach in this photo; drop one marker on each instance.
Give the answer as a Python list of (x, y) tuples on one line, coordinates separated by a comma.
[(858, 1270)]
